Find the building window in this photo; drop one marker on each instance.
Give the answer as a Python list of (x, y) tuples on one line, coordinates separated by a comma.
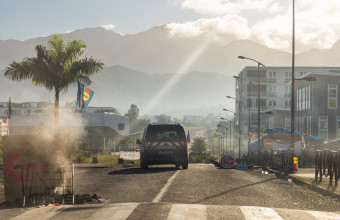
[(272, 77), (323, 127), (287, 103), (332, 96), (287, 91), (272, 103), (309, 125), (303, 73), (338, 126), (272, 91), (121, 126), (287, 122), (288, 76)]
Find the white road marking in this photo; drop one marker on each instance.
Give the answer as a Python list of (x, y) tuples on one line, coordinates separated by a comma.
[(254, 213), (39, 213), (324, 215), (119, 211), (187, 211), (160, 195)]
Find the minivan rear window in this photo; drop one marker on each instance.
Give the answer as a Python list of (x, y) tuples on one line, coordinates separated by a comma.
[(165, 134)]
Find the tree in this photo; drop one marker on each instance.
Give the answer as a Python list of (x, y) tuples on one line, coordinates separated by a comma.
[(56, 68), (133, 112), (125, 142), (163, 119), (199, 145)]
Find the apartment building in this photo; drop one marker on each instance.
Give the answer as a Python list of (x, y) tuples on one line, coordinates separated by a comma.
[(275, 94)]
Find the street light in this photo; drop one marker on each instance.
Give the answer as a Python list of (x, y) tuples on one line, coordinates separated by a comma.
[(258, 97), (219, 137), (222, 139), (226, 140), (229, 128), (249, 83), (239, 126)]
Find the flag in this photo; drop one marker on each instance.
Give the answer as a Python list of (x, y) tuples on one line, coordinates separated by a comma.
[(87, 96), (188, 137), (250, 135), (84, 95), (79, 94), (9, 108)]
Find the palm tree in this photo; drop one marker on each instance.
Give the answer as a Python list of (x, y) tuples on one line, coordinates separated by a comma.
[(125, 142), (56, 68), (199, 145)]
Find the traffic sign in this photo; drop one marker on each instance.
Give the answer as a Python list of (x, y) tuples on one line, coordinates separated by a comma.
[(227, 161), (268, 143)]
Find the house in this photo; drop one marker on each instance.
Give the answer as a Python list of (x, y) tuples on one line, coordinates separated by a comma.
[(100, 125)]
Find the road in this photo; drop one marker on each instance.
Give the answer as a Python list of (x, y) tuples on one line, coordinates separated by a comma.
[(200, 192)]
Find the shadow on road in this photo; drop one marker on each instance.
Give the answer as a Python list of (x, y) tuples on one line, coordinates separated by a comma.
[(230, 190), (143, 171)]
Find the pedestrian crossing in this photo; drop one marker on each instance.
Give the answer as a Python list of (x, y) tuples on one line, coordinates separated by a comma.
[(168, 211)]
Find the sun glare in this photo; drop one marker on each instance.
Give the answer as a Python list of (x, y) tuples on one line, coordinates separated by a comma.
[(175, 78)]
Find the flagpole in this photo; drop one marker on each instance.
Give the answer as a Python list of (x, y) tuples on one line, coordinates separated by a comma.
[(9, 114)]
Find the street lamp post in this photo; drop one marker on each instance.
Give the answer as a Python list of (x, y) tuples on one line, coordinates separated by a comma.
[(258, 97), (219, 151), (239, 126), (226, 134), (249, 83), (229, 128), (222, 139), (292, 106)]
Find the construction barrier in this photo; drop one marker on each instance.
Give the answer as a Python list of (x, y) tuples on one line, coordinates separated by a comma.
[(327, 163), (37, 166)]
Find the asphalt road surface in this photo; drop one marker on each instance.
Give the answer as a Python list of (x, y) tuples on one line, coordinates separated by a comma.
[(200, 192)]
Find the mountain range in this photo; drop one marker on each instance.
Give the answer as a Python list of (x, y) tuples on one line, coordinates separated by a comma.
[(138, 66)]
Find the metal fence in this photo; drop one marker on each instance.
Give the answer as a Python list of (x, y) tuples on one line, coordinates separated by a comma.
[(327, 163), (46, 184)]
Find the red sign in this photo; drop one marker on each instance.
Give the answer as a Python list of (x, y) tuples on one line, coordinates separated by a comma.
[(227, 161), (268, 143)]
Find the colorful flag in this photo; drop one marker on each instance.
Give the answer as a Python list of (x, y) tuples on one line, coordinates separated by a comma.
[(84, 95), (9, 108), (250, 135), (87, 96)]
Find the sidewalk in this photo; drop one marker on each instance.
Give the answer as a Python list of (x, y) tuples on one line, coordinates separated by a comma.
[(306, 176)]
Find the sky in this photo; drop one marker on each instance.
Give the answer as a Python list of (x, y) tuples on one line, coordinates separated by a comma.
[(268, 22)]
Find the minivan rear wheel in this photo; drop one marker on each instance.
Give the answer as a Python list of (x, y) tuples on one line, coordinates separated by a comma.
[(185, 165)]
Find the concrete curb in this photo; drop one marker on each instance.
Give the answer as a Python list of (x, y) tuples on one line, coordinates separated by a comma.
[(310, 186)]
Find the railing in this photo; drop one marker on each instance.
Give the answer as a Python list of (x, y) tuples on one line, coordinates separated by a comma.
[(46, 184), (327, 163)]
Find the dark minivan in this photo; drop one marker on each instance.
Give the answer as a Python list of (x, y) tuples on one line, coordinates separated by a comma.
[(164, 144)]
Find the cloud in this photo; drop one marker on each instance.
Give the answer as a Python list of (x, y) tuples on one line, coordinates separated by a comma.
[(215, 30), (269, 23), (219, 7), (108, 27)]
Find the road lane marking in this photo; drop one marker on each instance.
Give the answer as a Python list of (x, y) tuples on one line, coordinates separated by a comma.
[(41, 213), (119, 211), (324, 215), (258, 213), (187, 211), (160, 195)]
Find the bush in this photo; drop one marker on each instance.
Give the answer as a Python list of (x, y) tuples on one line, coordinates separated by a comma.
[(202, 158)]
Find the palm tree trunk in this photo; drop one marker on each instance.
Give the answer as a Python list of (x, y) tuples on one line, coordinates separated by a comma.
[(56, 108)]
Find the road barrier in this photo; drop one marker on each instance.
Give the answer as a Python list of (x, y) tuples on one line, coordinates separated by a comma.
[(327, 163), (37, 167), (284, 161)]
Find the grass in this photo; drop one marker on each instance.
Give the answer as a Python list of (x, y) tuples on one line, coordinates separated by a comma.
[(86, 157)]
